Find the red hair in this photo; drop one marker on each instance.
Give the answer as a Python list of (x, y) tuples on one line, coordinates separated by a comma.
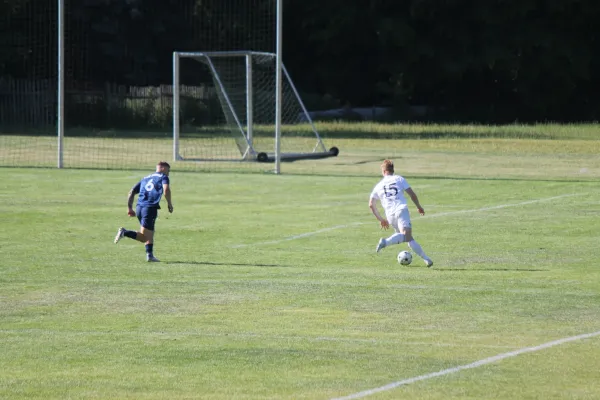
[(388, 166)]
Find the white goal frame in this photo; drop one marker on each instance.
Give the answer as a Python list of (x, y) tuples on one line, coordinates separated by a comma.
[(249, 153)]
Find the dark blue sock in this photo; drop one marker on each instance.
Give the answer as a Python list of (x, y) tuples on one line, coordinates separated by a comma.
[(149, 248), (130, 234)]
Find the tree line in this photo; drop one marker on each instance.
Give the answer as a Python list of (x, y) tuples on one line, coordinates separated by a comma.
[(465, 60)]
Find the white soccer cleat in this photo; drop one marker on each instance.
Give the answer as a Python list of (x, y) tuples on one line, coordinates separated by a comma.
[(150, 258), (380, 245), (428, 263), (120, 234)]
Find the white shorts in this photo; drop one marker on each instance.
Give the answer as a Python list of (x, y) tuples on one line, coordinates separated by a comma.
[(400, 219)]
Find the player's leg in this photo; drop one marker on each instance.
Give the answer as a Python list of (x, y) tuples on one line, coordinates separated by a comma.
[(122, 232), (147, 222), (147, 217), (139, 236), (396, 238), (149, 235), (415, 246)]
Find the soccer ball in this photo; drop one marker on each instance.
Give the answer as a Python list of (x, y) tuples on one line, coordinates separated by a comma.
[(404, 258)]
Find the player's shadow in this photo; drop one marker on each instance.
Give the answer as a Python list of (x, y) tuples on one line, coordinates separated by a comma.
[(491, 269), (227, 264)]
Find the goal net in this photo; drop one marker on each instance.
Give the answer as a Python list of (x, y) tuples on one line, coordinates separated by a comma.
[(27, 84), (117, 86), (226, 111)]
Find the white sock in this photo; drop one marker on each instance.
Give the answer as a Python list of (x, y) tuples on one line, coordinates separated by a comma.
[(418, 249), (396, 238)]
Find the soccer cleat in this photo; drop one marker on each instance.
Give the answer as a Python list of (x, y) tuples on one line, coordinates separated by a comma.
[(120, 234), (428, 263), (380, 245), (151, 258)]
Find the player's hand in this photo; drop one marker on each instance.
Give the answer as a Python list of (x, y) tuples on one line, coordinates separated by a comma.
[(421, 211), (170, 207), (131, 213), (384, 224)]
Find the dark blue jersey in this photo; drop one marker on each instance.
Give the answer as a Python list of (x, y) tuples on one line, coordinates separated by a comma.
[(150, 189)]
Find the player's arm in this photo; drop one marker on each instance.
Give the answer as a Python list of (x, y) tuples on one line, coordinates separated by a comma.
[(415, 199), (167, 190), (373, 206), (134, 190)]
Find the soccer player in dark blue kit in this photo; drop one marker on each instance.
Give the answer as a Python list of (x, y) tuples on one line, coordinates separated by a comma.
[(150, 190)]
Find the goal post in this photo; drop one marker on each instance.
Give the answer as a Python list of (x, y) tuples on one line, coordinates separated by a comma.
[(242, 85)]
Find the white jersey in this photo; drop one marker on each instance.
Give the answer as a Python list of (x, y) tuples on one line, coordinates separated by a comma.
[(390, 192)]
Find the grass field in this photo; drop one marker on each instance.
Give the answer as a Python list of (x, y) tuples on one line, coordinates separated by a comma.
[(269, 286), (534, 151)]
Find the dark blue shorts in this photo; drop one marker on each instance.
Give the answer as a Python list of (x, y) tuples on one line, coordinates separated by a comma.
[(147, 216)]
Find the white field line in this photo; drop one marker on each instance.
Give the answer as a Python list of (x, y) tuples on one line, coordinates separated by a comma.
[(443, 214), (503, 206), (300, 236), (475, 364)]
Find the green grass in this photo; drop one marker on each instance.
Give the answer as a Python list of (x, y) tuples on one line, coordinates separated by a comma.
[(544, 151), (244, 305), (353, 130)]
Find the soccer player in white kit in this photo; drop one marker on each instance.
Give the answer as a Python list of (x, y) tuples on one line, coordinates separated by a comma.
[(390, 192)]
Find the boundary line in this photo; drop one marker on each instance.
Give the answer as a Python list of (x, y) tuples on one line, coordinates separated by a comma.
[(303, 235), (475, 364), (299, 236)]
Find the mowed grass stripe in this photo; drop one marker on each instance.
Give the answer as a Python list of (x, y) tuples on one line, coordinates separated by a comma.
[(428, 216)]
